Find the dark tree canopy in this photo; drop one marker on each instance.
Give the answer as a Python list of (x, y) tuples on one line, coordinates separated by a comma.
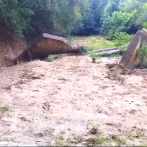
[(30, 18)]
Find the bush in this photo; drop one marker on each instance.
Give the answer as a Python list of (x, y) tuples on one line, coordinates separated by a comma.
[(121, 38), (49, 59), (143, 57), (145, 25)]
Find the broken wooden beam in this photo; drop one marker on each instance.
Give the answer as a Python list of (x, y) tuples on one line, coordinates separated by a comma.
[(130, 58)]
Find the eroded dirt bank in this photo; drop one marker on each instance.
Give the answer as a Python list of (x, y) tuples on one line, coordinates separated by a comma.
[(43, 101)]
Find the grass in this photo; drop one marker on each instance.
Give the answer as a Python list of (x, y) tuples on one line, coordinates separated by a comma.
[(1, 138), (4, 109), (114, 56), (143, 57), (111, 140), (92, 43), (6, 139), (133, 137), (59, 142), (94, 57), (113, 75), (101, 141), (135, 133), (120, 141)]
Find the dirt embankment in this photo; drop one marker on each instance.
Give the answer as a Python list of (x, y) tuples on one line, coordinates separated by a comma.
[(67, 98), (10, 48)]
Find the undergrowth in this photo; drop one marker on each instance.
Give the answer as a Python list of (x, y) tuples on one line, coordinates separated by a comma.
[(94, 57), (49, 59), (122, 39), (4, 109), (92, 43), (143, 56), (114, 76)]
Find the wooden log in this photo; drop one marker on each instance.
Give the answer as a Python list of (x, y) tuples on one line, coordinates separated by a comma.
[(107, 53), (75, 48), (107, 49), (102, 50), (104, 53)]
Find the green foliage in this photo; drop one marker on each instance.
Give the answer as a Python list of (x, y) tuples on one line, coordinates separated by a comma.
[(49, 59), (15, 16), (29, 18), (121, 141), (82, 51), (141, 12), (143, 56), (101, 141), (121, 38), (129, 17), (59, 142), (114, 56), (145, 25), (94, 57), (120, 22), (115, 76), (4, 109), (110, 16)]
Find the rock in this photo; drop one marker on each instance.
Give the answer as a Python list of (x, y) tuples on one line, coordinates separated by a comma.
[(114, 137), (39, 135), (93, 131)]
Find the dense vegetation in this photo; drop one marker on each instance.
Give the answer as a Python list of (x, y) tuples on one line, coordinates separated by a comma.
[(29, 18)]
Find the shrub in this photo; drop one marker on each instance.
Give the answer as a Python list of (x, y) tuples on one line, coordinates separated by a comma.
[(145, 25), (143, 56), (122, 38), (94, 57), (49, 59)]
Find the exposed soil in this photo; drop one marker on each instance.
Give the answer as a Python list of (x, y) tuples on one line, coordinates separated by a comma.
[(42, 101), (10, 47)]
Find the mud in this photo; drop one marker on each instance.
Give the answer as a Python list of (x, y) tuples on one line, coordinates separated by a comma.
[(66, 98)]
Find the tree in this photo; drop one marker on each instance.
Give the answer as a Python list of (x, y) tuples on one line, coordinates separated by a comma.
[(30, 18), (15, 16)]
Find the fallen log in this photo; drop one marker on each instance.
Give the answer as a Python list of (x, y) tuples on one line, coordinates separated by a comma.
[(58, 47), (102, 50), (104, 53), (107, 53), (76, 49), (108, 49)]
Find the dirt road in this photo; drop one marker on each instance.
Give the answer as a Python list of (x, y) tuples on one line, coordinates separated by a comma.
[(42, 102)]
